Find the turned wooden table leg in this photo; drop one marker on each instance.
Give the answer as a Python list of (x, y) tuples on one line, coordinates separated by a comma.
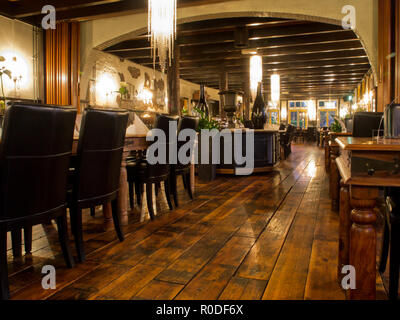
[(363, 241), (344, 229), (334, 180), (123, 196)]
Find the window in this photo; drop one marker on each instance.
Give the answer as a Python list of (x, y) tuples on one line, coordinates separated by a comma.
[(326, 118)]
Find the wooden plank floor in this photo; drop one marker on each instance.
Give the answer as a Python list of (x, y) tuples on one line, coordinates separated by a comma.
[(268, 236)]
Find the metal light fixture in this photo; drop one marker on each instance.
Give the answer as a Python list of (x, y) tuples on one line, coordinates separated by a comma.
[(275, 88), (162, 30), (256, 72)]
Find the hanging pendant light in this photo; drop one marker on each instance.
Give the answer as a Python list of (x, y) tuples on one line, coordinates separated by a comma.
[(162, 30), (275, 88), (256, 72)]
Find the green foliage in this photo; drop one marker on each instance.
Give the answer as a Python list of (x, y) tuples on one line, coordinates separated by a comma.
[(205, 123), (336, 127), (123, 91)]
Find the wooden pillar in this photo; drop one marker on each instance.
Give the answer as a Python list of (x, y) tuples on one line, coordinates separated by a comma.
[(223, 85), (386, 46), (363, 241), (173, 79), (344, 228), (63, 64), (397, 48)]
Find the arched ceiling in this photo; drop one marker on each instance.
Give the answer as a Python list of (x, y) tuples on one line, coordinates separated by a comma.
[(313, 59)]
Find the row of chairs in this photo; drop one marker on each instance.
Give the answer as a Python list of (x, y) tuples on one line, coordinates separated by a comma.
[(141, 172), (40, 179)]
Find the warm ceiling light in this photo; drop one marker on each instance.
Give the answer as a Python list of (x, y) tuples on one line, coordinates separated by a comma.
[(162, 30), (275, 88), (256, 71), (312, 113)]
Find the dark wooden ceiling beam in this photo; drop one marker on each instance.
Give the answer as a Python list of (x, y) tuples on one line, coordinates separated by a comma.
[(315, 38), (267, 59)]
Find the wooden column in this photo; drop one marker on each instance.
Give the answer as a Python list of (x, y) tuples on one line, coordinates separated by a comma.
[(223, 85), (363, 241), (344, 228), (173, 79), (397, 48), (386, 47), (63, 64)]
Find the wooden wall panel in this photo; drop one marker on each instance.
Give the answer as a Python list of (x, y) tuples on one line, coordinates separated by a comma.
[(397, 32), (384, 51), (63, 64)]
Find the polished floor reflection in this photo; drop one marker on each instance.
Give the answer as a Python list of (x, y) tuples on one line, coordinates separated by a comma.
[(270, 236)]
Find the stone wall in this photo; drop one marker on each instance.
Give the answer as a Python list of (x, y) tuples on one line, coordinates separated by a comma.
[(103, 74)]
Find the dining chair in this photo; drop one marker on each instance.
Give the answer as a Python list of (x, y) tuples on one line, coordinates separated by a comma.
[(141, 173), (96, 176), (391, 240), (183, 169), (35, 150)]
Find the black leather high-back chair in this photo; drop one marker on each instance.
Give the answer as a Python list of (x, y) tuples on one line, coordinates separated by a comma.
[(183, 169), (98, 167), (365, 122), (35, 151), (141, 172)]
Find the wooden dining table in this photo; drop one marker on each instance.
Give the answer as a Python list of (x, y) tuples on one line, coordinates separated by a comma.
[(365, 165)]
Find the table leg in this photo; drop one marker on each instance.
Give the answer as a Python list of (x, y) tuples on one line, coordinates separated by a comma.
[(334, 180), (327, 156), (108, 220), (192, 177), (344, 229), (123, 196), (363, 241)]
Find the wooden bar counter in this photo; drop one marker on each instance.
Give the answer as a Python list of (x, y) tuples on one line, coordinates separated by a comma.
[(333, 153), (365, 165)]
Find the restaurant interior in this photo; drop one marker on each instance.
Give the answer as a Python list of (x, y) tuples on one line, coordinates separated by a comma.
[(304, 93)]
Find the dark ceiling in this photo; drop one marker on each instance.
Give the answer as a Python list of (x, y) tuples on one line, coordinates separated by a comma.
[(313, 59), (80, 10)]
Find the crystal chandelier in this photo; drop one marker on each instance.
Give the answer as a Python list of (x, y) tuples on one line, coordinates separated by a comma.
[(275, 88), (162, 30), (255, 73)]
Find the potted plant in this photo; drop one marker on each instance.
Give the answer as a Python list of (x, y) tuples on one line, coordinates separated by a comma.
[(207, 172), (3, 71)]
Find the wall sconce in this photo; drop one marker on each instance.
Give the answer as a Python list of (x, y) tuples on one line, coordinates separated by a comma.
[(19, 71), (343, 112), (106, 87), (146, 96)]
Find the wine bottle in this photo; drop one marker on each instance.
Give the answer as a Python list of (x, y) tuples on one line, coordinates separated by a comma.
[(202, 104), (258, 114)]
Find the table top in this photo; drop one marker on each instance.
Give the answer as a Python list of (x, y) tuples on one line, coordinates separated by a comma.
[(340, 134), (128, 136), (368, 144)]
